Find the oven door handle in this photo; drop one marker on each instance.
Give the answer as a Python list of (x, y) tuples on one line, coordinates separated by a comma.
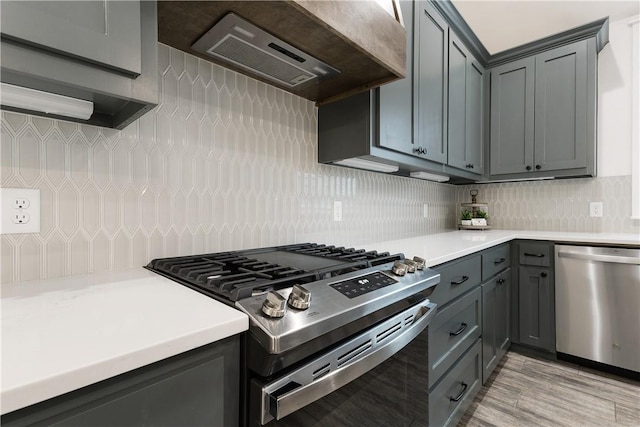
[(290, 393)]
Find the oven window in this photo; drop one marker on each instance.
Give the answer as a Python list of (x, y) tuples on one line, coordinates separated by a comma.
[(395, 393)]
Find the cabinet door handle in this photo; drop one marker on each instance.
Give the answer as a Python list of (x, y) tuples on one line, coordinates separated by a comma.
[(538, 167), (458, 397), (528, 168), (538, 255), (543, 274), (500, 281), (499, 260), (463, 326), (461, 281)]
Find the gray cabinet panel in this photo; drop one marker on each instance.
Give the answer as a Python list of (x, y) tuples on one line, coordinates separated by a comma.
[(496, 335), (561, 108), (449, 400), (495, 260), (536, 308), (512, 117), (466, 107), (452, 332), (395, 100), (475, 117), (431, 82), (456, 278), (200, 387), (457, 118), (104, 32)]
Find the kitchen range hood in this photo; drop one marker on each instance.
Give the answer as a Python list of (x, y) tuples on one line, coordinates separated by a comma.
[(240, 43), (319, 50)]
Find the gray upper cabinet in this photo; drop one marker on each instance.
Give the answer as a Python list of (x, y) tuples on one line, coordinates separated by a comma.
[(561, 108), (107, 33), (431, 83), (512, 97), (395, 112), (104, 52), (466, 108), (543, 114)]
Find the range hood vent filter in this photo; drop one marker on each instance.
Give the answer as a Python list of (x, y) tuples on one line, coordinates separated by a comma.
[(236, 41)]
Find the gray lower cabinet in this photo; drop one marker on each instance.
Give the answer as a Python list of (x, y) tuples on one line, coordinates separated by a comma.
[(496, 302), (543, 114), (455, 349), (449, 400), (534, 297), (466, 108), (197, 388), (104, 52)]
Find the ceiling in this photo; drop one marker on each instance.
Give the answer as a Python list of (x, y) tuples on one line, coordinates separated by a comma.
[(504, 24)]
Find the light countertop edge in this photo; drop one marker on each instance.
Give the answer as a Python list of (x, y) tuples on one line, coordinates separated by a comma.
[(439, 248), (112, 323)]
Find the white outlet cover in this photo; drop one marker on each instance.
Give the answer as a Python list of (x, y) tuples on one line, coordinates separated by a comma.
[(8, 197), (337, 210), (595, 209)]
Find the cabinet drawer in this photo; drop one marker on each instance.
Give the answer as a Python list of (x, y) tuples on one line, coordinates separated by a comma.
[(495, 260), (535, 253), (452, 332), (451, 398), (456, 278)]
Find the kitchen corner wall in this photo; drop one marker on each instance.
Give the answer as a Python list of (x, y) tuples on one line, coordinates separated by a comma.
[(558, 205), (224, 162)]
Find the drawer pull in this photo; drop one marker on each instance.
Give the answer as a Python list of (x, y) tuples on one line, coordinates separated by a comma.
[(538, 255), (458, 397), (461, 281), (463, 326), (500, 281), (499, 260)]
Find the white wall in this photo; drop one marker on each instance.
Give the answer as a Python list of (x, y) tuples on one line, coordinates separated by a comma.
[(614, 101)]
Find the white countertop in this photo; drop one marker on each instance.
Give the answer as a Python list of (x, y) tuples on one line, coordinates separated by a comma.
[(62, 334), (443, 247)]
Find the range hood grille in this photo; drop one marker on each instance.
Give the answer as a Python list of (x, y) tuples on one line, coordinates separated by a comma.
[(245, 55), (244, 45)]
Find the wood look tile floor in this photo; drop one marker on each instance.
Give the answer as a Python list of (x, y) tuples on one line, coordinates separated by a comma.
[(525, 391)]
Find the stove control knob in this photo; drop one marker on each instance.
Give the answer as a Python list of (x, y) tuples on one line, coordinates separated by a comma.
[(275, 305), (420, 262), (411, 265), (299, 298), (399, 268)]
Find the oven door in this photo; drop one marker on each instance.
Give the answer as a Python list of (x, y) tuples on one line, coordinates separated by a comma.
[(379, 376)]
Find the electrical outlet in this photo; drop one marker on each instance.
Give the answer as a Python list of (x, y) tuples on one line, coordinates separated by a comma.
[(425, 210), (20, 218), (337, 210), (595, 209), (19, 210)]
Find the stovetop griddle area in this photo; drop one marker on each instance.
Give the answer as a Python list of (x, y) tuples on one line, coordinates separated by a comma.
[(231, 276)]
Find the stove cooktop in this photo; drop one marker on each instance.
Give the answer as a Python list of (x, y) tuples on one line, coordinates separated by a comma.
[(232, 276)]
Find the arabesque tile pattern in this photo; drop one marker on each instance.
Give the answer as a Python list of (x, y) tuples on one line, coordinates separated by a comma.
[(224, 162)]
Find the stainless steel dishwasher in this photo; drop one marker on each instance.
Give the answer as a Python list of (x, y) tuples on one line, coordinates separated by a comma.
[(598, 304)]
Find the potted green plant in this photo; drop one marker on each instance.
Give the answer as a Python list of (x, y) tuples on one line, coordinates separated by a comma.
[(480, 219), (465, 217)]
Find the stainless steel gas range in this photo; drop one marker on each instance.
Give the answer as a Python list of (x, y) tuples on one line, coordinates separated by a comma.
[(336, 335)]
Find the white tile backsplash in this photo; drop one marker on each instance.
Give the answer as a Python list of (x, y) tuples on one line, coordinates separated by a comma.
[(558, 205), (224, 162)]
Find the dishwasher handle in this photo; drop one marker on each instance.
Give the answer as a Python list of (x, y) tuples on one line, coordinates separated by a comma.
[(616, 259)]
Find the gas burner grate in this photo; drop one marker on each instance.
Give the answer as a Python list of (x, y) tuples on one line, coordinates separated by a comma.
[(230, 276)]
